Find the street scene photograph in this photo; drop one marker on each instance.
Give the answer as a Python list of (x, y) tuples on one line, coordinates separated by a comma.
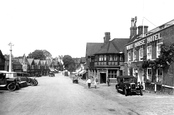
[(86, 57)]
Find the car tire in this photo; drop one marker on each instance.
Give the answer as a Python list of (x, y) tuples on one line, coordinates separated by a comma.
[(125, 92), (35, 82), (11, 86)]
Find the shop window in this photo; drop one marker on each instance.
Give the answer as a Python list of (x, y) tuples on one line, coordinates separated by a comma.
[(149, 52), (141, 54), (158, 49), (112, 73), (149, 74)]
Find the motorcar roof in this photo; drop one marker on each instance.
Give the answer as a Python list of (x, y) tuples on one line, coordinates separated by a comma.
[(126, 76)]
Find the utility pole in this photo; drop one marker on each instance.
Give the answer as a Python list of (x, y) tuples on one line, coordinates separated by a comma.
[(10, 57)]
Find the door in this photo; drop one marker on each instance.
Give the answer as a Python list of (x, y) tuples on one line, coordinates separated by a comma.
[(102, 77)]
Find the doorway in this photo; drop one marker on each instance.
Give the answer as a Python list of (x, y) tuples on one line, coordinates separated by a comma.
[(102, 77)]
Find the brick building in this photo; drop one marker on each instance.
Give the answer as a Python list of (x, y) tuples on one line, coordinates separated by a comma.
[(146, 46)]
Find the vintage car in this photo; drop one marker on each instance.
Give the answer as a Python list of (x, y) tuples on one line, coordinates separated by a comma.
[(51, 74), (74, 78), (128, 85), (10, 80)]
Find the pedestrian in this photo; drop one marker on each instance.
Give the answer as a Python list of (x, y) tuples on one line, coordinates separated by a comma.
[(95, 83), (108, 81), (89, 82)]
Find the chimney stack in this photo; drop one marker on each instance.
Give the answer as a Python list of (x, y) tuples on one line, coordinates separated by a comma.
[(107, 37), (141, 29), (133, 28)]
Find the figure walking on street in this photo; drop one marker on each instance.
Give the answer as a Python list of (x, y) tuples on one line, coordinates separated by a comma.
[(95, 83), (108, 81), (89, 82)]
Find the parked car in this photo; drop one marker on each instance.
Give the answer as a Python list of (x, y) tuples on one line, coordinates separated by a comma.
[(51, 74), (74, 78), (128, 85), (9, 80)]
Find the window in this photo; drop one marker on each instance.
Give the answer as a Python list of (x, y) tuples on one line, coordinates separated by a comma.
[(129, 56), (104, 58), (141, 54), (149, 74), (121, 57), (159, 77), (149, 52), (134, 55), (110, 58), (115, 58), (101, 58), (158, 49), (112, 73)]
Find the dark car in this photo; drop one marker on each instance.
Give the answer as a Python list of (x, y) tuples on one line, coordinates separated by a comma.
[(51, 74), (128, 85), (74, 78)]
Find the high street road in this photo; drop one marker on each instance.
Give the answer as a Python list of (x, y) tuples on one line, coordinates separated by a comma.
[(59, 96)]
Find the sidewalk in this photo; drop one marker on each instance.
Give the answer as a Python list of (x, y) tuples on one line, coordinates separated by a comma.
[(105, 89)]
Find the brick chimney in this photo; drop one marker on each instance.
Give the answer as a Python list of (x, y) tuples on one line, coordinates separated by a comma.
[(133, 28), (107, 37), (141, 29)]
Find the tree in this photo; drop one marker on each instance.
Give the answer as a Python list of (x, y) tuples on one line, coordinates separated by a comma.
[(69, 63), (39, 54)]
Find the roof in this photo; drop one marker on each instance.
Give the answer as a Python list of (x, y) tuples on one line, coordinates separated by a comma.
[(30, 60), (114, 46), (92, 48)]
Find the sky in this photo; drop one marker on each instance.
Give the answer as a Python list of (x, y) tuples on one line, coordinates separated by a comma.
[(64, 27)]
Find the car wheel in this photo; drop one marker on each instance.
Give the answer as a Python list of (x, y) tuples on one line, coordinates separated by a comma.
[(35, 82), (125, 92), (11, 86)]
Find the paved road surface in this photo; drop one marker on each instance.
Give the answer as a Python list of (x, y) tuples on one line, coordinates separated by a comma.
[(59, 96)]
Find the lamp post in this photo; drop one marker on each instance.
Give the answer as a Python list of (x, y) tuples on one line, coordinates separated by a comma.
[(10, 57)]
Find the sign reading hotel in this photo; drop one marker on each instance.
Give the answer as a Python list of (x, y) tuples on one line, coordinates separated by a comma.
[(147, 40)]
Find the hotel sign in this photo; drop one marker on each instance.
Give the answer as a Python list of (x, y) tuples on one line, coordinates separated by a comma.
[(150, 39)]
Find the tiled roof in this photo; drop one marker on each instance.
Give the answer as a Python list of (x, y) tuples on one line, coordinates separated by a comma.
[(92, 48), (114, 46), (120, 43)]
